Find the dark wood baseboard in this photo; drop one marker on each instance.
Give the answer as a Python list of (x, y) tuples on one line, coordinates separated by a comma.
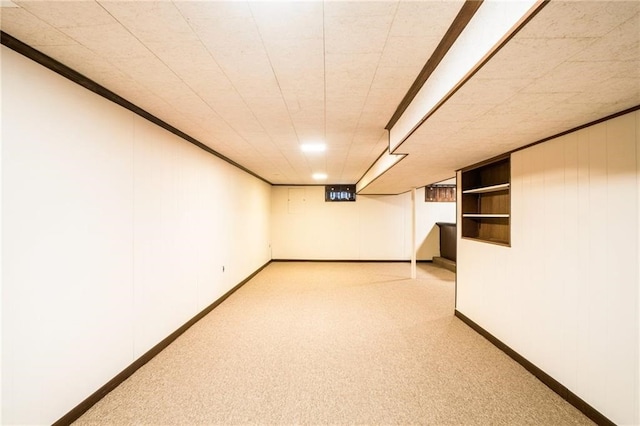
[(552, 383), (91, 400)]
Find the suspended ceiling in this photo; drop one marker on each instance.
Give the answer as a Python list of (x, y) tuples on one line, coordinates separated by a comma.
[(254, 80)]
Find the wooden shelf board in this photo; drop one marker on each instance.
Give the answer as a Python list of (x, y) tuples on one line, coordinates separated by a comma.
[(492, 188), (482, 240), (484, 215)]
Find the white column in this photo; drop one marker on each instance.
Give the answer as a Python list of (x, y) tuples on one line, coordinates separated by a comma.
[(413, 233)]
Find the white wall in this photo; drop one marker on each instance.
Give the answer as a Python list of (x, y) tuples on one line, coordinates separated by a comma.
[(374, 227), (565, 295), (114, 233)]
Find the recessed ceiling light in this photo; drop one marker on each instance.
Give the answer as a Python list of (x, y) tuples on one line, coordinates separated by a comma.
[(313, 147), (319, 176)]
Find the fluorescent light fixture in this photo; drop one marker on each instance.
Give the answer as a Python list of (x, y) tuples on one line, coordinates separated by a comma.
[(313, 147), (319, 176)]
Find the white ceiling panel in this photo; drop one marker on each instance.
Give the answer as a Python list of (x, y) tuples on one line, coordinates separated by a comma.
[(411, 16), (20, 21), (64, 14), (573, 63), (304, 20), (253, 80), (151, 21), (110, 41)]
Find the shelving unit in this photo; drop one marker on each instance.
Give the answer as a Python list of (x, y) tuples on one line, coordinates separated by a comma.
[(485, 216), (486, 202), (491, 188)]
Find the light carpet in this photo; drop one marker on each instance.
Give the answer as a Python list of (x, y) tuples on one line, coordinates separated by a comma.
[(334, 343)]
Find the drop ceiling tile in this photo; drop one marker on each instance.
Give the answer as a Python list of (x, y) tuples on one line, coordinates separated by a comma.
[(425, 19), (288, 19), (252, 88), (27, 28), (191, 105), (459, 114), (193, 64), (298, 66), (235, 34), (89, 63), (309, 123), (541, 56), (396, 78), (162, 81), (570, 19), (111, 41), (342, 122), (338, 140), (262, 143), (345, 8), (151, 21), (308, 54), (300, 77), (64, 14), (372, 120), (354, 66), (383, 99), (250, 73), (213, 10), (350, 75), (272, 114), (356, 34), (412, 52), (301, 90), (221, 131), (489, 90), (627, 69), (303, 103), (286, 140), (623, 89), (621, 44), (368, 136), (573, 77), (243, 122)]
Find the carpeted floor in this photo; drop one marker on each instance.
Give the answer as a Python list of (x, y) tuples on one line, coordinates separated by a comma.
[(334, 343)]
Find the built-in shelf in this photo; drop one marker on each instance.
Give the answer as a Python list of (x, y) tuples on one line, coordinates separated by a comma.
[(486, 202), (484, 215), (485, 189), (494, 241)]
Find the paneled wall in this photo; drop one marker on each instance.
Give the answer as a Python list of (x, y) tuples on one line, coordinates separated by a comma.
[(114, 234), (304, 226), (566, 294)]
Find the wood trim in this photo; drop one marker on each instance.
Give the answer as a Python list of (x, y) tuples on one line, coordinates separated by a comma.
[(486, 162), (575, 129), (348, 261), (552, 383), (472, 73), (381, 174), (468, 9), (92, 399), (63, 70), (299, 184), (386, 150), (557, 135), (480, 240)]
